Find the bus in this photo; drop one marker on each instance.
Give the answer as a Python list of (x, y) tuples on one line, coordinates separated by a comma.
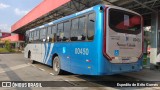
[(101, 40)]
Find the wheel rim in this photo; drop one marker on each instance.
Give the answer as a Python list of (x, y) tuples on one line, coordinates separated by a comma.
[(56, 66)]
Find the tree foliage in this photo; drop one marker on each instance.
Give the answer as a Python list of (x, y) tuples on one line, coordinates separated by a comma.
[(8, 45)]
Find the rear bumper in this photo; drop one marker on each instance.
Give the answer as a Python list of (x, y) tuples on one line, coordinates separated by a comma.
[(112, 68), (120, 68), (117, 69)]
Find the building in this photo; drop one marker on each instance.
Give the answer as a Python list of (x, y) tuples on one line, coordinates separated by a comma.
[(16, 40), (4, 34)]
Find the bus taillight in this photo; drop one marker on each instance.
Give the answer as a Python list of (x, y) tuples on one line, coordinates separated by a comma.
[(104, 40)]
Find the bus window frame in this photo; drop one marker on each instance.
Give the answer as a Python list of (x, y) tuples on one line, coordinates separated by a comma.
[(58, 30), (40, 37), (121, 30), (86, 15), (70, 19), (71, 28), (94, 25)]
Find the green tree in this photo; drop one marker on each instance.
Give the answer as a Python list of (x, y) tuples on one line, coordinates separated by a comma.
[(8, 45)]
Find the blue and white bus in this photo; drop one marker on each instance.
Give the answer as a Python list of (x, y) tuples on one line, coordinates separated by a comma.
[(101, 40)]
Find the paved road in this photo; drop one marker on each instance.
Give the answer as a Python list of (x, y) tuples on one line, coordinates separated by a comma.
[(14, 67)]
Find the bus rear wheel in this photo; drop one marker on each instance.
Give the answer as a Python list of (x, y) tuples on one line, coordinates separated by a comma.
[(56, 66)]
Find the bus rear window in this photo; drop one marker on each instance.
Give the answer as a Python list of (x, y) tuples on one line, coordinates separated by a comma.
[(124, 22)]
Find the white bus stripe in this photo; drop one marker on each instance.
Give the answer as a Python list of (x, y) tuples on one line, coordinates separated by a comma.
[(46, 50), (51, 47)]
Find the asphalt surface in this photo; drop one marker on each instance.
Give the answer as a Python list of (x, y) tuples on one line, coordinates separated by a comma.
[(14, 67)]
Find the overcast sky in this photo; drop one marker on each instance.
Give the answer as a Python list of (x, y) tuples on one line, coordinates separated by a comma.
[(13, 10)]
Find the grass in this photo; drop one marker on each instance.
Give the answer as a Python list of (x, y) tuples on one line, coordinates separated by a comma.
[(3, 50)]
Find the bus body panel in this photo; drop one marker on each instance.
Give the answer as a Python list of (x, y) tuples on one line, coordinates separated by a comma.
[(79, 54), (39, 51), (122, 46), (82, 57)]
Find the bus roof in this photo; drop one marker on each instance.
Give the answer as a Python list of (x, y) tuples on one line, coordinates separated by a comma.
[(66, 17), (82, 12)]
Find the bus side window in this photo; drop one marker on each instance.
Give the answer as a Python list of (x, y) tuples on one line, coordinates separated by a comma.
[(74, 30), (91, 26), (49, 34), (32, 36), (60, 33), (82, 28), (37, 35), (29, 36), (67, 26), (43, 35), (40, 35), (54, 31)]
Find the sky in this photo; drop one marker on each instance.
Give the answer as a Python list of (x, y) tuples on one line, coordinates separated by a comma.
[(13, 10)]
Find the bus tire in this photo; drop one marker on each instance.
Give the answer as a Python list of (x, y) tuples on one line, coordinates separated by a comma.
[(30, 60), (56, 66)]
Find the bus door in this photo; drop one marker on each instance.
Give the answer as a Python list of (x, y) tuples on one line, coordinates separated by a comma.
[(44, 45), (123, 42)]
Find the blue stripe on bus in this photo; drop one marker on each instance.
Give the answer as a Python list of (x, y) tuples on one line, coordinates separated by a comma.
[(50, 53)]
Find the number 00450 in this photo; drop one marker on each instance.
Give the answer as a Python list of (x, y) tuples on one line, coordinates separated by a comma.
[(82, 51)]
